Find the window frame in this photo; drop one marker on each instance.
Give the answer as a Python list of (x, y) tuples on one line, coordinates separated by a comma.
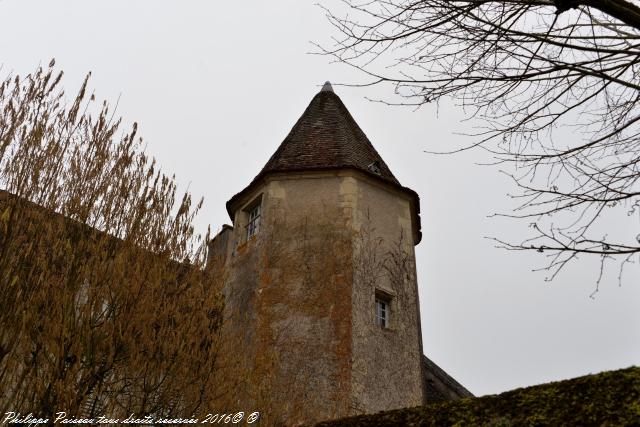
[(382, 309), (252, 227)]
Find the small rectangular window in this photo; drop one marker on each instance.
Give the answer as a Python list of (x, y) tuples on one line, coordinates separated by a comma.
[(253, 225), (382, 312)]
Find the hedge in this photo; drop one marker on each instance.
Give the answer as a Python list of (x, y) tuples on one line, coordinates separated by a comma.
[(606, 399)]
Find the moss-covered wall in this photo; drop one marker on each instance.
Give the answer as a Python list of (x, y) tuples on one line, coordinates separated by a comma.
[(606, 399)]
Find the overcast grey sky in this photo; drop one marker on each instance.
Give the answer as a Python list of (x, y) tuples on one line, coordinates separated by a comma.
[(216, 86)]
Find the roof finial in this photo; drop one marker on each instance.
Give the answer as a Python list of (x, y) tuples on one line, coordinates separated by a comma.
[(326, 87)]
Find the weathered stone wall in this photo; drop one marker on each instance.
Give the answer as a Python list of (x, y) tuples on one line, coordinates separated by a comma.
[(387, 361), (288, 297), (300, 298), (309, 258)]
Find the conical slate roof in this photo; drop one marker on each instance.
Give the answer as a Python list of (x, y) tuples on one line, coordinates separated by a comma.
[(327, 137)]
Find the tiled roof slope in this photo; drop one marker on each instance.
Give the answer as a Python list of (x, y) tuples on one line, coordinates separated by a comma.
[(327, 137), (440, 386)]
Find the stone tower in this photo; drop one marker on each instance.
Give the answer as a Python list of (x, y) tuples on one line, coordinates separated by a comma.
[(322, 313)]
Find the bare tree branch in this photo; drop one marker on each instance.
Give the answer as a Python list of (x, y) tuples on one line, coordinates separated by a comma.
[(554, 84)]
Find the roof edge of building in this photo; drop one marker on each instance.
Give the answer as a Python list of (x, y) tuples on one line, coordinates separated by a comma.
[(453, 387)]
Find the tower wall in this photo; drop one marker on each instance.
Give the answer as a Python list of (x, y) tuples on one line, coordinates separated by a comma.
[(308, 243), (300, 297), (386, 371), (289, 298)]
